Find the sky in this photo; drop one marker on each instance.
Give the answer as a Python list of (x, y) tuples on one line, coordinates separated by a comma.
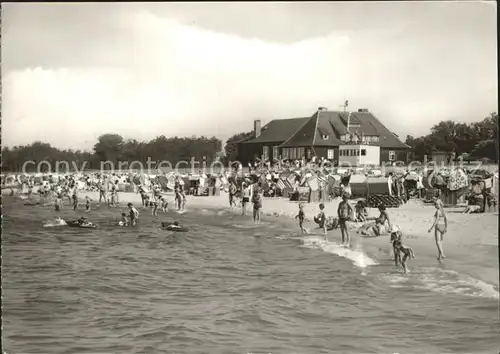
[(72, 72)]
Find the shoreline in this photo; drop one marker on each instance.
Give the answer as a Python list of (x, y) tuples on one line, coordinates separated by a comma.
[(413, 218)]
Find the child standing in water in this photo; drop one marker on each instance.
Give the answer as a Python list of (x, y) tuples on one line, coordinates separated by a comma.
[(344, 213), (123, 221), (301, 217), (58, 202), (440, 226), (75, 199), (257, 202), (88, 204), (321, 219), (134, 214), (399, 247)]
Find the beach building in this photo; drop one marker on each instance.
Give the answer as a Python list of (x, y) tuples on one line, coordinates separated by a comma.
[(358, 137)]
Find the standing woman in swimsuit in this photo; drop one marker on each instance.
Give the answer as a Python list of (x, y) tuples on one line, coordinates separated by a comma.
[(440, 225)]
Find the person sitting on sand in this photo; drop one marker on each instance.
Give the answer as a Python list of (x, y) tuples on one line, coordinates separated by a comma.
[(380, 222), (440, 226), (361, 212), (301, 217), (344, 212), (399, 248), (471, 209)]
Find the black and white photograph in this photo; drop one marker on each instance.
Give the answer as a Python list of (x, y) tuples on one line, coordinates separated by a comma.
[(249, 177)]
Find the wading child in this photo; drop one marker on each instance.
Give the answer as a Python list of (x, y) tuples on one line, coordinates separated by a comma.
[(123, 221), (344, 212), (58, 202), (399, 248), (257, 203), (164, 203), (88, 204), (320, 219), (301, 217), (134, 214), (75, 200)]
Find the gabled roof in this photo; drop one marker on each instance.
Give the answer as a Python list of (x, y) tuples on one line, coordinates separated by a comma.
[(306, 132), (387, 139), (278, 130), (305, 135)]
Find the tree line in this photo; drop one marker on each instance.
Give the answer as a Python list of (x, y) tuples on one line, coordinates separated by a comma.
[(470, 141), (113, 148)]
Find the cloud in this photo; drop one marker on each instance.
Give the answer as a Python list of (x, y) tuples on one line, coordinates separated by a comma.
[(180, 80), (143, 75)]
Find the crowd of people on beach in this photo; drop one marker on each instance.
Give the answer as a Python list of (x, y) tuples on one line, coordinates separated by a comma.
[(246, 189)]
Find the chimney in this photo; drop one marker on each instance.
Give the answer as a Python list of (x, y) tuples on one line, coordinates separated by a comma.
[(256, 128), (322, 109), (363, 110)]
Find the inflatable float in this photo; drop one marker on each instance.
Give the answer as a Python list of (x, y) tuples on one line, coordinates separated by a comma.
[(82, 224), (173, 226)]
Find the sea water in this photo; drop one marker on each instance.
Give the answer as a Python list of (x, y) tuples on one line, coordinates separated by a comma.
[(226, 286)]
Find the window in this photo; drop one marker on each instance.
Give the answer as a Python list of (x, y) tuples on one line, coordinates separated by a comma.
[(357, 152), (329, 154), (265, 152), (293, 154), (301, 153), (308, 153), (363, 152), (392, 155), (325, 137), (275, 152), (353, 152), (284, 151)]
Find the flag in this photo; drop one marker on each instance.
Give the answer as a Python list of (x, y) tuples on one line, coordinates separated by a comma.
[(346, 103)]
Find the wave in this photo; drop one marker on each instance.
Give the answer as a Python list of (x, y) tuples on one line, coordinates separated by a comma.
[(443, 281), (357, 256)]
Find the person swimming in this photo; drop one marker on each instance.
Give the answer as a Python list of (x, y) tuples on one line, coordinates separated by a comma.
[(58, 221), (173, 226)]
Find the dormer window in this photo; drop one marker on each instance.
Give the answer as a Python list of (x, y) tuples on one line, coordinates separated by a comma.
[(325, 136)]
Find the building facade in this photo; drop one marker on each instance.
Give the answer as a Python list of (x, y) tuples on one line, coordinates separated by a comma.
[(324, 135)]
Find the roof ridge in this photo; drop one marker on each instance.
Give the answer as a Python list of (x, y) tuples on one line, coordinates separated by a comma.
[(302, 126)]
